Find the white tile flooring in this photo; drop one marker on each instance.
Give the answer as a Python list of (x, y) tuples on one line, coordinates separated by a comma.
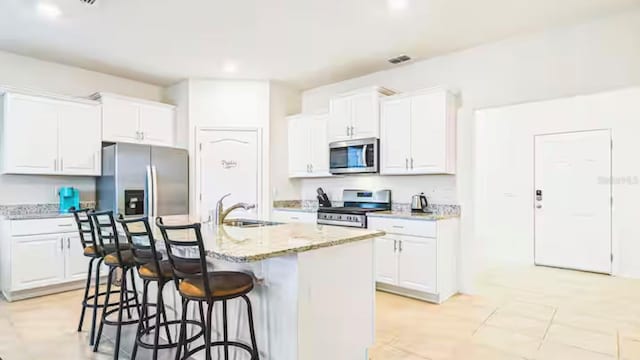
[(519, 313)]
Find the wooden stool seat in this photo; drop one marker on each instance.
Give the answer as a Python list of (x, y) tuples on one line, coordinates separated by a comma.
[(127, 259), (223, 284)]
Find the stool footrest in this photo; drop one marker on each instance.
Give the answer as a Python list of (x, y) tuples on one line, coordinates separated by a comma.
[(220, 343), (189, 340)]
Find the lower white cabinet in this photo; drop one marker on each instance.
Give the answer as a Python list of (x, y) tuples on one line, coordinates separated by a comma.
[(287, 216), (417, 258), (41, 256)]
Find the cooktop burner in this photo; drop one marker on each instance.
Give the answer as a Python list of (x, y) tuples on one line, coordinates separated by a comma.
[(357, 204)]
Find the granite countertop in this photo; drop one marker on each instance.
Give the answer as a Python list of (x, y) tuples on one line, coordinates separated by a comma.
[(35, 216), (249, 244), (296, 209), (408, 215)]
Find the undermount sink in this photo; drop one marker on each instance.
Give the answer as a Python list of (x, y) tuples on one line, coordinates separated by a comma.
[(249, 223)]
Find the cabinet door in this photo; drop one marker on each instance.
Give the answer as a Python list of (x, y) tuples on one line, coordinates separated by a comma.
[(157, 125), (299, 147), (79, 139), (36, 261), (417, 263), (119, 120), (386, 261), (365, 115), (428, 133), (31, 135), (395, 137), (319, 149), (76, 264), (339, 118)]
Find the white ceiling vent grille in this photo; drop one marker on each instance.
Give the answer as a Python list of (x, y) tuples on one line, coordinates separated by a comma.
[(399, 59)]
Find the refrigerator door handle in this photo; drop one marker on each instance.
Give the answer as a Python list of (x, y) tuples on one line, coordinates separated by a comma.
[(150, 193), (154, 182)]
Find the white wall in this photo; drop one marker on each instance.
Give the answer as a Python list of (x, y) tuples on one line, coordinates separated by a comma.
[(586, 58), (505, 171), (25, 72), (222, 104)]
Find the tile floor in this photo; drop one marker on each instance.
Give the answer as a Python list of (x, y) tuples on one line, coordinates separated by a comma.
[(520, 313)]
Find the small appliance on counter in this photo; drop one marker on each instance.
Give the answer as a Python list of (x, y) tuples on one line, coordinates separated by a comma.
[(69, 198), (419, 204), (357, 203), (323, 199)]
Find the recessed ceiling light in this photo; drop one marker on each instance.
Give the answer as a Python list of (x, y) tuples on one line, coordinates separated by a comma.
[(397, 5), (49, 10), (229, 67)]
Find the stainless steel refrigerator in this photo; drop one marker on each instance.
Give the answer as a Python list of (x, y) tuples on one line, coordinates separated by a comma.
[(142, 180)]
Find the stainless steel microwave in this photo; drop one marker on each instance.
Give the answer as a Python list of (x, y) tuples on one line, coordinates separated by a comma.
[(354, 156)]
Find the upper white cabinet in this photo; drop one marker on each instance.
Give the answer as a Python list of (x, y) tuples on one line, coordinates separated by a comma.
[(418, 133), (42, 135), (137, 121), (308, 149), (356, 115)]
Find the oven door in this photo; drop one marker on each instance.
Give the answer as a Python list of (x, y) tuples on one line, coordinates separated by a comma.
[(354, 157)]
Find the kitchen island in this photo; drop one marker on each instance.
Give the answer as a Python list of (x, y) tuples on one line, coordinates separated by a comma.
[(315, 289)]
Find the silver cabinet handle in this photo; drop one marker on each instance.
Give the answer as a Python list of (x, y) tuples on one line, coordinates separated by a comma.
[(411, 163), (400, 245), (395, 245), (347, 131), (397, 227), (61, 244), (61, 164), (310, 168), (295, 218), (68, 243), (352, 131), (406, 163), (55, 164), (142, 134), (65, 225)]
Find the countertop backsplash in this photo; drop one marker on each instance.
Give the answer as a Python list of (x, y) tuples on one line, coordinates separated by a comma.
[(437, 209), (25, 211)]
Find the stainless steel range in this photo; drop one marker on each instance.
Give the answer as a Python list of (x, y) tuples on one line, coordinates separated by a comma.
[(357, 203)]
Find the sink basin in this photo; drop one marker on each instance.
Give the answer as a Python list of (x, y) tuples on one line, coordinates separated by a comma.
[(249, 223)]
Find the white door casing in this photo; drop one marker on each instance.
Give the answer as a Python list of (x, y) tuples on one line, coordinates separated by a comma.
[(230, 161), (573, 213)]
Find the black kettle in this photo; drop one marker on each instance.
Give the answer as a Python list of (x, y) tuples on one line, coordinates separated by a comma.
[(419, 203)]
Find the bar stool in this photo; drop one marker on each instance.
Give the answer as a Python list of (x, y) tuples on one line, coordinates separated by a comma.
[(119, 259), (94, 251), (205, 287), (151, 268)]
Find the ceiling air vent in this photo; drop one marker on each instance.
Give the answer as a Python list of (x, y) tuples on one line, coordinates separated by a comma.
[(399, 59), (90, 2)]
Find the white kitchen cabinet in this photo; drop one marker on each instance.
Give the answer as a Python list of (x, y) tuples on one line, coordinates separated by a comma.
[(308, 148), (37, 260), (418, 132), (356, 115), (386, 260), (416, 258), (48, 136), (137, 121), (290, 216), (79, 134), (41, 256)]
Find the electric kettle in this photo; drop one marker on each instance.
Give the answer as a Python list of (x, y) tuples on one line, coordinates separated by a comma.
[(419, 203)]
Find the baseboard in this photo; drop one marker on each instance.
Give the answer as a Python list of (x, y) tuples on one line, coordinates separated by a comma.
[(419, 295)]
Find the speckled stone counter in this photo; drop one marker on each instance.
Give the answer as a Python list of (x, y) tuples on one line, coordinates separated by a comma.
[(36, 211), (407, 215)]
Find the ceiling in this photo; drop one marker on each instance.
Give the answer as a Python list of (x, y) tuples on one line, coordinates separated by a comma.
[(302, 42)]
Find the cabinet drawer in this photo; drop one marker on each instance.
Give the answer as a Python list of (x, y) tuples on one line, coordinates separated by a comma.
[(420, 228), (43, 226), (294, 216)]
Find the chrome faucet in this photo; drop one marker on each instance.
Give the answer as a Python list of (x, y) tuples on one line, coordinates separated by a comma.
[(221, 213)]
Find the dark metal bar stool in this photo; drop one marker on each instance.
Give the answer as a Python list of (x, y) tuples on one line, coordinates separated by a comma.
[(205, 287), (119, 259), (151, 268), (94, 251)]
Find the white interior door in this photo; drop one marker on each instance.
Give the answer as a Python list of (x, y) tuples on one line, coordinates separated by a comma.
[(229, 163), (573, 203)]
